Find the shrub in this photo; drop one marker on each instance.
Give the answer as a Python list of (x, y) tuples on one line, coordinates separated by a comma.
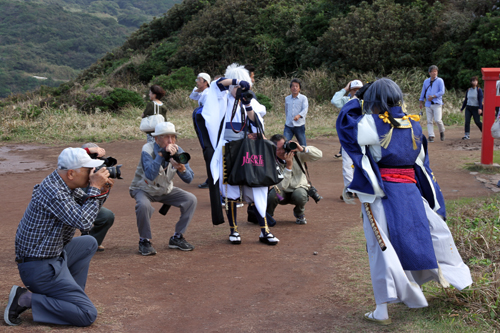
[(120, 97), (182, 78), (264, 100)]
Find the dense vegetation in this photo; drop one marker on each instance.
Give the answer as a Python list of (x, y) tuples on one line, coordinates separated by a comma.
[(284, 37), (59, 38)]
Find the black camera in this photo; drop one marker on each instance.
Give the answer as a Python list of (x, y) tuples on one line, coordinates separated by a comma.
[(110, 164), (181, 158), (288, 146), (244, 96), (313, 193)]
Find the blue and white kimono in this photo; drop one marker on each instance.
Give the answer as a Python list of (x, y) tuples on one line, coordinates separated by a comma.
[(409, 216)]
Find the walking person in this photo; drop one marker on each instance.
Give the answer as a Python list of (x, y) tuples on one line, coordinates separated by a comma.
[(473, 105), (432, 97)]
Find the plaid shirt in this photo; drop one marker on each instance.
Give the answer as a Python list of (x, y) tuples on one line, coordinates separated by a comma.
[(53, 214)]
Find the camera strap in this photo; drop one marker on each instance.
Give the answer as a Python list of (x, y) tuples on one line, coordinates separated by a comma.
[(233, 113), (306, 171), (429, 86)]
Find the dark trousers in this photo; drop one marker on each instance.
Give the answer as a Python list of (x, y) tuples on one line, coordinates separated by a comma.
[(472, 111), (104, 220), (58, 285), (298, 198)]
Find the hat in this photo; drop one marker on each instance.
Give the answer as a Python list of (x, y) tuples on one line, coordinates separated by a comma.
[(75, 158), (164, 128), (356, 84), (205, 76)]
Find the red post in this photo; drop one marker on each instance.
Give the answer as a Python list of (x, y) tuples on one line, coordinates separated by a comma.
[(490, 78)]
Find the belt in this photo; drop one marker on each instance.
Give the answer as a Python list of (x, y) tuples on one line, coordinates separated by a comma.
[(27, 259)]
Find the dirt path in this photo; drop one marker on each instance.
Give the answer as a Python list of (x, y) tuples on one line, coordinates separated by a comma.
[(219, 287)]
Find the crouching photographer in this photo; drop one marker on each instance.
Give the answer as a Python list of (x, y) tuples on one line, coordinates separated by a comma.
[(105, 218), (295, 188)]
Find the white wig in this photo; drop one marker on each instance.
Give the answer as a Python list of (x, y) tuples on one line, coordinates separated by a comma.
[(235, 71)]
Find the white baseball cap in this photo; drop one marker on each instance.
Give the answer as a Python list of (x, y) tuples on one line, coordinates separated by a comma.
[(164, 129), (206, 77), (356, 84), (76, 158)]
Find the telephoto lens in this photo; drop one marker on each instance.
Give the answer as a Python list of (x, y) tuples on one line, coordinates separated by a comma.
[(289, 146)]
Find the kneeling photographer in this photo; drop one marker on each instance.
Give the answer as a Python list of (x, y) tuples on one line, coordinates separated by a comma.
[(295, 188), (105, 218)]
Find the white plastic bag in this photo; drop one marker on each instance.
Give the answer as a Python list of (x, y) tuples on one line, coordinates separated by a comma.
[(149, 123), (495, 128)]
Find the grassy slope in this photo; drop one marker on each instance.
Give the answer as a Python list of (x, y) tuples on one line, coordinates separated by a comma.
[(58, 38)]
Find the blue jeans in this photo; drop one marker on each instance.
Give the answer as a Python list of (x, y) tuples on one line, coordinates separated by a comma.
[(299, 131), (58, 285)]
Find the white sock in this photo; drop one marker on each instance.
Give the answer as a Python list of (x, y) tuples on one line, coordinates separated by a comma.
[(381, 312)]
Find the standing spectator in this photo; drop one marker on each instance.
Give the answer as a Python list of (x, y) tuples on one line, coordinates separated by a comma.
[(200, 91), (432, 95), (200, 94), (105, 218), (52, 263), (296, 106), (339, 100), (153, 182), (473, 104), (156, 93)]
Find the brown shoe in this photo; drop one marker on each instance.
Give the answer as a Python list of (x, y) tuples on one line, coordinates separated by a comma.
[(100, 248)]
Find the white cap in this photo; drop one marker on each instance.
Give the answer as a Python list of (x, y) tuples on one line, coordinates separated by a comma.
[(164, 129), (76, 158), (356, 84), (206, 77)]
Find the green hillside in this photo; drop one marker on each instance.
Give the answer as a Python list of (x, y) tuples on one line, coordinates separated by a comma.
[(57, 39), (281, 38)]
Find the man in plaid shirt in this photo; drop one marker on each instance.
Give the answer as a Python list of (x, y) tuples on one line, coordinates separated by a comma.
[(52, 264)]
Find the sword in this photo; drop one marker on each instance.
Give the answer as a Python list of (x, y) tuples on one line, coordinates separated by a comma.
[(374, 226)]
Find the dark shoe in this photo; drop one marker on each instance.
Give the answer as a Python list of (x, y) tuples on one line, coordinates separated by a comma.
[(268, 239), (145, 248), (441, 135), (337, 155), (100, 248), (13, 309), (301, 220), (235, 238), (203, 185), (466, 137), (180, 243), (431, 139)]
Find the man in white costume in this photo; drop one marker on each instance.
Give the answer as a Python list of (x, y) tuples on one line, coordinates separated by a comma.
[(218, 109)]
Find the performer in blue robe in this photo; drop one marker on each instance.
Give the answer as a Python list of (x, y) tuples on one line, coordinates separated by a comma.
[(408, 240)]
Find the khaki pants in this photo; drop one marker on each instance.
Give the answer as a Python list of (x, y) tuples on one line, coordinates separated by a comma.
[(434, 114)]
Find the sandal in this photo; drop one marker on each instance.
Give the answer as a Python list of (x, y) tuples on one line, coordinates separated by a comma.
[(235, 238), (369, 317), (269, 239)]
